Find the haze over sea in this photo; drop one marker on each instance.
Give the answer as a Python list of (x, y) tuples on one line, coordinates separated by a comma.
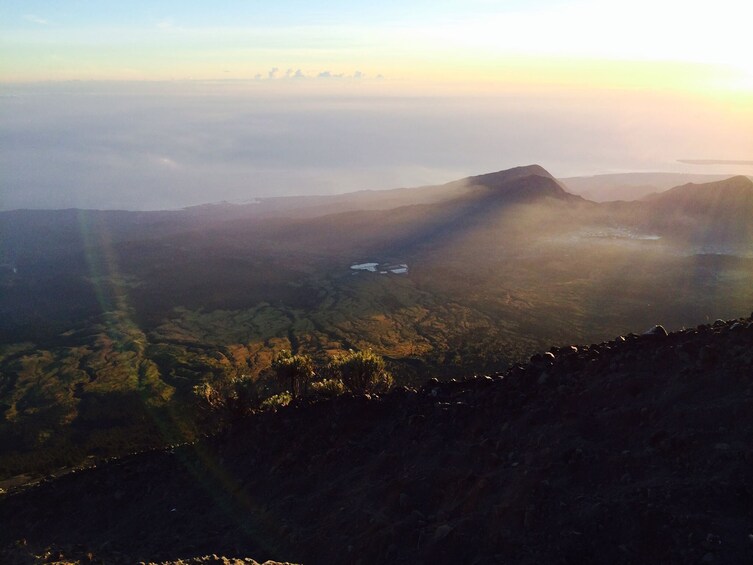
[(168, 104)]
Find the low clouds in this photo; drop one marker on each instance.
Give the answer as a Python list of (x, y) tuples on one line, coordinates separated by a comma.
[(358, 75), (152, 146), (298, 74)]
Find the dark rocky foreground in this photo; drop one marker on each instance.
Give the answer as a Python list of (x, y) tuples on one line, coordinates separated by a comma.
[(639, 450)]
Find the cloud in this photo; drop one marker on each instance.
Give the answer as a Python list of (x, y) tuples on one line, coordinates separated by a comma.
[(62, 147), (328, 74), (36, 19), (275, 74)]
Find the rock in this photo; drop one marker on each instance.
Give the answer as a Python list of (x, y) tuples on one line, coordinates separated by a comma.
[(442, 532), (707, 354), (656, 331), (529, 516)]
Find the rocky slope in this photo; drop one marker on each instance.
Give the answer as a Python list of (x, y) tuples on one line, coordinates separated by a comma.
[(638, 450)]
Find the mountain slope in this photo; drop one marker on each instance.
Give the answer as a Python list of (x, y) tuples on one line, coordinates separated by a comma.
[(630, 451), (107, 323), (468, 205), (631, 186), (718, 211), (717, 198), (365, 200)]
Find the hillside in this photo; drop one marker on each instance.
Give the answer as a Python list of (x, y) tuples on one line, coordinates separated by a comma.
[(721, 196), (718, 212), (109, 319), (634, 450), (632, 186), (313, 206)]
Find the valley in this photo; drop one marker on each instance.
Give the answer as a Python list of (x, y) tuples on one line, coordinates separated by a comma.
[(110, 319)]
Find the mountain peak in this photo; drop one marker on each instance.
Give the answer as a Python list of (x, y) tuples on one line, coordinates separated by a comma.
[(498, 178), (519, 184), (739, 180)]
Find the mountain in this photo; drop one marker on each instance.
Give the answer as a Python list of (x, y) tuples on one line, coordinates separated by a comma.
[(721, 196), (467, 207), (718, 212), (43, 229), (631, 186), (634, 450), (367, 200), (508, 175), (108, 320), (522, 183)]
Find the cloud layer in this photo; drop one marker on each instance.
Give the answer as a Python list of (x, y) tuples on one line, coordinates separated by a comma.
[(169, 145)]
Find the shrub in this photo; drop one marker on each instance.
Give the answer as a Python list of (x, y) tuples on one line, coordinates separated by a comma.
[(362, 371), (228, 399), (293, 371), (328, 388), (277, 401)]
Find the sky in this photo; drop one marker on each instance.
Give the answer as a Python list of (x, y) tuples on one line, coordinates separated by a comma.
[(471, 40), (163, 104)]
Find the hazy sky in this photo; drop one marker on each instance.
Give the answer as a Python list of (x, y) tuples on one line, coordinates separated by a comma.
[(429, 39), (179, 102)]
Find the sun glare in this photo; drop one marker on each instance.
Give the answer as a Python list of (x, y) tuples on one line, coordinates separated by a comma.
[(665, 45)]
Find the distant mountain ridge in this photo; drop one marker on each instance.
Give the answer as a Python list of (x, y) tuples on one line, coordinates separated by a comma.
[(720, 211), (431, 194), (632, 186), (725, 206), (732, 191)]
